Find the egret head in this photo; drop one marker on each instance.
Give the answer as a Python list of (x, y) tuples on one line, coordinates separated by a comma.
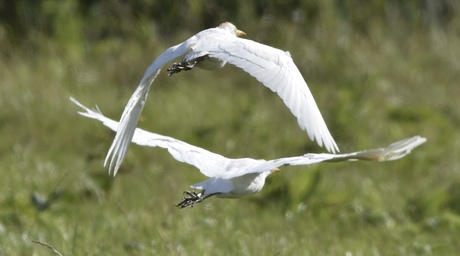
[(232, 29)]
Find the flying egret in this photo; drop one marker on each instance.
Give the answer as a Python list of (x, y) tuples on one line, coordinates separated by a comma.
[(232, 178), (211, 49)]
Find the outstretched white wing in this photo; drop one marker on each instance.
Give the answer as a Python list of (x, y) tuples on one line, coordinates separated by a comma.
[(276, 70), (133, 109), (394, 151), (210, 164)]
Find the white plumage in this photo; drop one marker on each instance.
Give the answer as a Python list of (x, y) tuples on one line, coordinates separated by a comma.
[(211, 49), (231, 178)]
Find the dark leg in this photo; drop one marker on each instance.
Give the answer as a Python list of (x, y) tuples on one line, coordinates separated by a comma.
[(192, 198), (179, 66)]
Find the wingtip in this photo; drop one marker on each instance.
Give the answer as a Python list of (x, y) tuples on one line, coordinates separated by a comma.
[(334, 148), (411, 142), (96, 114), (331, 145), (112, 169), (397, 150)]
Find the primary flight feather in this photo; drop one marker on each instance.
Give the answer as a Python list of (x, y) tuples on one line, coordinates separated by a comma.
[(232, 178), (211, 49)]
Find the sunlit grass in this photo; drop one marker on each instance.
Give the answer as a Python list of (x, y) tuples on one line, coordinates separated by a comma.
[(372, 90)]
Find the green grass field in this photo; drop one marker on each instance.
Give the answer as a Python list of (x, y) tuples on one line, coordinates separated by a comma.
[(372, 89)]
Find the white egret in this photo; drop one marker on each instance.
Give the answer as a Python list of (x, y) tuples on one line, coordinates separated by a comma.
[(211, 49), (232, 178)]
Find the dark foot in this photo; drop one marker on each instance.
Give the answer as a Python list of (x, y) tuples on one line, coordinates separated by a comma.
[(190, 200), (178, 67)]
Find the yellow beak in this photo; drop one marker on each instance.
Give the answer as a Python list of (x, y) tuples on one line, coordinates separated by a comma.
[(240, 33)]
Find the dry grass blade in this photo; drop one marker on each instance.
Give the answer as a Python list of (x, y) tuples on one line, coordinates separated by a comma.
[(48, 246)]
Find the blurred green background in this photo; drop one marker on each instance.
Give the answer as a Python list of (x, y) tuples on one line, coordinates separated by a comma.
[(380, 71)]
